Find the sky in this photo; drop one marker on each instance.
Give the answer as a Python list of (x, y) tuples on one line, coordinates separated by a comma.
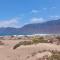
[(17, 13)]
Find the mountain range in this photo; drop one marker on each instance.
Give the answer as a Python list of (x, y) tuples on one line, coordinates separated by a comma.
[(49, 27)]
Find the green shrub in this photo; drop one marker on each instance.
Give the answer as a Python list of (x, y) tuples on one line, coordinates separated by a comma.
[(39, 40)]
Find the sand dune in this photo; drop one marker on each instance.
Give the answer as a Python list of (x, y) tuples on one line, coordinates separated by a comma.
[(28, 52)]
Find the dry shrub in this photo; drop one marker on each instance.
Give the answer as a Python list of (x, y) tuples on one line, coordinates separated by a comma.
[(22, 43), (55, 56), (58, 37), (1, 43)]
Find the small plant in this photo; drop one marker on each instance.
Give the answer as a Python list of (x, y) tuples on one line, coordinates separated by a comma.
[(58, 37), (1, 43), (34, 53), (19, 38)]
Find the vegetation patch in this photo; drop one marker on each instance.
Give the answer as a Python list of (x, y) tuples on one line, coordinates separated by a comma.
[(22, 43), (39, 40), (58, 37), (1, 43), (55, 56)]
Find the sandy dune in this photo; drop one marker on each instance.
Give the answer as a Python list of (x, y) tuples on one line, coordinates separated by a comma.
[(40, 55), (29, 52)]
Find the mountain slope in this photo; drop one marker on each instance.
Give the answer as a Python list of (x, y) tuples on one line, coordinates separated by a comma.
[(47, 27), (52, 26)]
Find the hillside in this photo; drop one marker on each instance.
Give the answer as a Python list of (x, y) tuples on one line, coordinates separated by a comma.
[(52, 26)]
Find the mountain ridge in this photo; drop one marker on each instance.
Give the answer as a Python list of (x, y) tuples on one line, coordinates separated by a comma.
[(49, 27)]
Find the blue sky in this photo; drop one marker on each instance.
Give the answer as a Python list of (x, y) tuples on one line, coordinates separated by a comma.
[(16, 13)]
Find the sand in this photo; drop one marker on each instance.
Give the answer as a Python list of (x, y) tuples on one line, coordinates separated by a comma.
[(28, 52)]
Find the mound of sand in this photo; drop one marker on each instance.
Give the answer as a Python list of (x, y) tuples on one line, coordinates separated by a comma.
[(28, 52)]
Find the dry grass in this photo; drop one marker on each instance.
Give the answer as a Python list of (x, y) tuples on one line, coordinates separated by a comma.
[(55, 56)]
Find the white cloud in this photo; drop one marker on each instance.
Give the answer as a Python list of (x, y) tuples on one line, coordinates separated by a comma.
[(9, 23), (54, 17), (35, 11), (53, 7), (37, 20), (44, 8), (49, 8)]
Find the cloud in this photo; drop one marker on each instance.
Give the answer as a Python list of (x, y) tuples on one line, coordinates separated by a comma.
[(53, 7), (9, 23), (49, 8), (37, 20), (35, 11), (44, 8), (54, 17)]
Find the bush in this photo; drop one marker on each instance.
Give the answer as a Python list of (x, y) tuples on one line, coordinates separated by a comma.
[(1, 43), (39, 40), (58, 37), (55, 56), (22, 43)]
